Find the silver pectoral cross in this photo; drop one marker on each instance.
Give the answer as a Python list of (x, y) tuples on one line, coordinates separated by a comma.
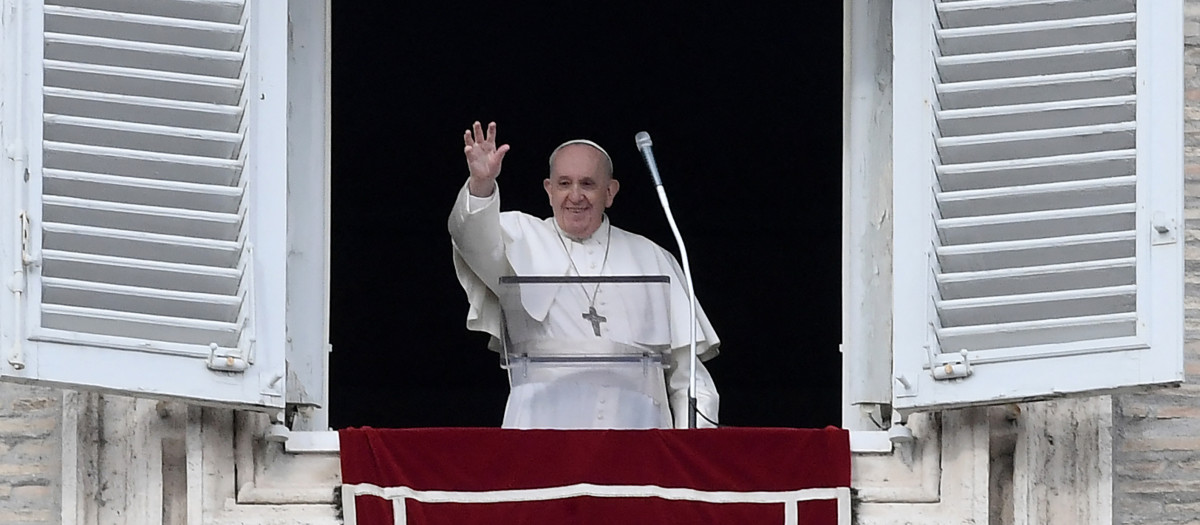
[(594, 318)]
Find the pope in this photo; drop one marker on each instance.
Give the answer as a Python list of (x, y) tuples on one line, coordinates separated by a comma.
[(578, 240)]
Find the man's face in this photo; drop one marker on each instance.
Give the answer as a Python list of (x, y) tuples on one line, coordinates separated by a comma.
[(580, 189)]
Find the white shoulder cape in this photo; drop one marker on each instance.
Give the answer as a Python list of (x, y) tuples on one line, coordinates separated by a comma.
[(532, 247)]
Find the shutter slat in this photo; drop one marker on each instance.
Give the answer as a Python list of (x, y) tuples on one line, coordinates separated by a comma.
[(139, 217), (141, 245), (1038, 61), (1034, 197), (1065, 113), (991, 12), (144, 55), (143, 137), (220, 11), (151, 192), (133, 272), (1056, 222), (1034, 306), (1039, 34), (1038, 88), (1033, 252), (141, 299), (104, 152), (146, 110), (128, 163), (1036, 333), (141, 326), (149, 28), (1036, 170), (1033, 279), (1036, 143), (143, 82)]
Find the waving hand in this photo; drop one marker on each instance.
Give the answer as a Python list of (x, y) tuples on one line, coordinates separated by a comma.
[(483, 158)]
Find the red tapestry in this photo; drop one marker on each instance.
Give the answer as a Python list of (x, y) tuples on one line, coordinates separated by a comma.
[(492, 476)]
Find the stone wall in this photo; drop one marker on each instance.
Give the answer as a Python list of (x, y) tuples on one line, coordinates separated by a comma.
[(30, 452), (1156, 435)]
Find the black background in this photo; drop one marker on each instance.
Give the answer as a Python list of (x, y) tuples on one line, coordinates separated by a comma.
[(744, 105)]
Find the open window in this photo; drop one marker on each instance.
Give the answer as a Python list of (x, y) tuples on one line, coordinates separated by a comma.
[(1038, 211)]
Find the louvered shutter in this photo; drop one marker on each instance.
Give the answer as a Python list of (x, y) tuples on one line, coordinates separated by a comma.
[(155, 208), (1038, 198)]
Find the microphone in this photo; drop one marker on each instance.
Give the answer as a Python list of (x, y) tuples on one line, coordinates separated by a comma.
[(643, 145)]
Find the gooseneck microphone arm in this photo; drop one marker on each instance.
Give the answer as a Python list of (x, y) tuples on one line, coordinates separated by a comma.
[(643, 144)]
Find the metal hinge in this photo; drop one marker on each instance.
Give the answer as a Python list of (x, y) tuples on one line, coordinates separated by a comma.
[(27, 258), (16, 357), (951, 367)]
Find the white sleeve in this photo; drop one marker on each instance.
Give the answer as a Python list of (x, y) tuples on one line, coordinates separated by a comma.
[(475, 204), (474, 226), (678, 381)]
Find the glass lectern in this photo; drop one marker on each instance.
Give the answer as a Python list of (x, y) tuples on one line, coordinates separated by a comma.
[(578, 350)]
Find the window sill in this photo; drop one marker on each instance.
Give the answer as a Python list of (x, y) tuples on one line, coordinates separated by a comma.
[(861, 442), (310, 442), (870, 442)]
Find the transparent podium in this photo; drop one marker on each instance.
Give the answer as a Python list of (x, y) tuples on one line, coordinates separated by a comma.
[(586, 352)]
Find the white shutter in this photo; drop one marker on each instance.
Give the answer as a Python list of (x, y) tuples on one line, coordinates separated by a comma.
[(156, 206), (1038, 198)]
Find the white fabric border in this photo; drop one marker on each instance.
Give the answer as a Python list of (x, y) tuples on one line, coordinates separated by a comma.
[(399, 495)]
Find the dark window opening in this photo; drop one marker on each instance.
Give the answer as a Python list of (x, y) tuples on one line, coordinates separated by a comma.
[(744, 104)]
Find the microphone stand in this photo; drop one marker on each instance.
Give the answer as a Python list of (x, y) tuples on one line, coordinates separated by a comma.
[(643, 142)]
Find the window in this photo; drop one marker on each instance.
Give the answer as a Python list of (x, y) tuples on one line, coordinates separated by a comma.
[(1037, 165)]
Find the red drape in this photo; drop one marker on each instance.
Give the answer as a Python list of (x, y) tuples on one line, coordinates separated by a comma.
[(482, 461)]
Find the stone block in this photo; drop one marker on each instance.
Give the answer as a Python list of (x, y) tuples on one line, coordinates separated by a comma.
[(1137, 470), (1170, 491), (1136, 508), (35, 448), (1174, 412), (30, 404), (11, 470), (1134, 409), (33, 495), (1163, 443), (26, 516), (27, 426)]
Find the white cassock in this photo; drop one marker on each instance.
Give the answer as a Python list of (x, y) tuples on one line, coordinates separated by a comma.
[(489, 244)]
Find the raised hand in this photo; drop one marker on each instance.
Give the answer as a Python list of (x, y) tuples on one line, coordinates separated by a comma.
[(483, 159)]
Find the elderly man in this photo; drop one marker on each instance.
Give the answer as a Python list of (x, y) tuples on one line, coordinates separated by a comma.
[(578, 240)]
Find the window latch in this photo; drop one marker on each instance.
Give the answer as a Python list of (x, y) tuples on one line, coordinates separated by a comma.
[(231, 361), (1164, 229), (952, 367)]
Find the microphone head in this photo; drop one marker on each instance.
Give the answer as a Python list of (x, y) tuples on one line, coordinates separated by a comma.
[(643, 140)]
